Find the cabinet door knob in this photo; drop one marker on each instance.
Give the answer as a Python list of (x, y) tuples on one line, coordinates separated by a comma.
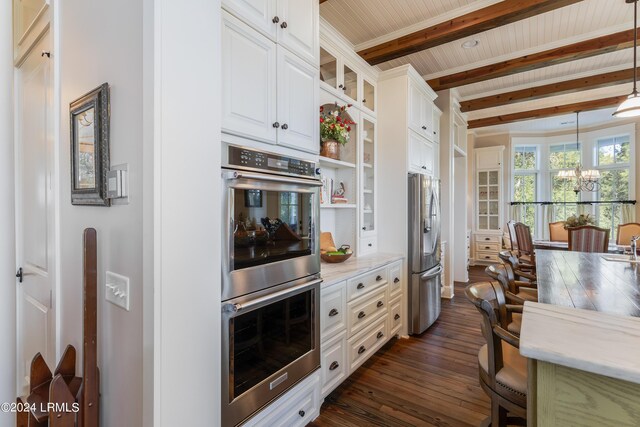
[(360, 286), (301, 413), (275, 20), (370, 244), (283, 25), (362, 349), (364, 228), (333, 312), (335, 365), (285, 126), (378, 278), (396, 280), (364, 100), (396, 317), (424, 167), (380, 304), (361, 314), (276, 125), (340, 86), (380, 335), (424, 128)]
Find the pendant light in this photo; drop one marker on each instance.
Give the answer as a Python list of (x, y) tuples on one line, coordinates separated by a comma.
[(631, 106), (585, 180)]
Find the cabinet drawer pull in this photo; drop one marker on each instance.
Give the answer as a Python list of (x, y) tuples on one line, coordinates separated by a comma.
[(396, 317), (380, 335), (333, 312), (362, 349), (487, 238), (283, 25), (360, 286), (487, 247), (380, 304), (335, 365), (361, 314), (275, 20), (487, 257), (396, 280), (301, 413), (378, 278)]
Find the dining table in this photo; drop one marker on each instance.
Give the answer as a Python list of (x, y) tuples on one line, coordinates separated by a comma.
[(564, 246), (608, 283)]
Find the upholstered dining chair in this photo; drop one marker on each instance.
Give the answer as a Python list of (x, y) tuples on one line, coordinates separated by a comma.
[(503, 371), (520, 272), (516, 291), (557, 232), (626, 232), (526, 252), (588, 238)]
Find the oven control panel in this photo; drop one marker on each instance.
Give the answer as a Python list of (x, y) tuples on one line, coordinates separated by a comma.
[(247, 158)]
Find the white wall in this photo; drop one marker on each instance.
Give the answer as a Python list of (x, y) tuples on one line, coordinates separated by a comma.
[(101, 41), (7, 241)]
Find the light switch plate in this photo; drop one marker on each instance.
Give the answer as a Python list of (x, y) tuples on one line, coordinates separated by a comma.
[(117, 290)]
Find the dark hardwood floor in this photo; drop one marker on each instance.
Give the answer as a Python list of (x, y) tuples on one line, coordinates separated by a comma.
[(426, 380)]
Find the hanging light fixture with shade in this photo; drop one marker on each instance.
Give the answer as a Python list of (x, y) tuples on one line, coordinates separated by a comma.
[(630, 107), (585, 180)]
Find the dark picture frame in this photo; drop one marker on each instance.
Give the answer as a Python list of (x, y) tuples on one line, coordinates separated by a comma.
[(252, 198), (89, 129)]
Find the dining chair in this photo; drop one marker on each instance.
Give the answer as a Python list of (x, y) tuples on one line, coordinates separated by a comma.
[(512, 235), (503, 371), (588, 238), (521, 272), (557, 232), (516, 291), (526, 251), (626, 232)]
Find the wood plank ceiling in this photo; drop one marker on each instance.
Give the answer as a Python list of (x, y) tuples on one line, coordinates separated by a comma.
[(534, 55)]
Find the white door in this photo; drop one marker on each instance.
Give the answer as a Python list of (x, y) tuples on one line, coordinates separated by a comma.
[(415, 108), (298, 28), (298, 100), (249, 82), (34, 211), (260, 14)]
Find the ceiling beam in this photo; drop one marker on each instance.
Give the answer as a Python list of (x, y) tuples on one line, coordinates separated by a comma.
[(569, 86), (572, 52), (595, 104), (481, 20)]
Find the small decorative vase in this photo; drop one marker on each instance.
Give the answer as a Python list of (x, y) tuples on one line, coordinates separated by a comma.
[(330, 149)]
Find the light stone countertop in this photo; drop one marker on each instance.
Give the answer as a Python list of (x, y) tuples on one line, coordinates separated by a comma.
[(592, 341), (334, 273)]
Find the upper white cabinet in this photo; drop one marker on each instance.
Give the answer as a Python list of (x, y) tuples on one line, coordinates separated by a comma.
[(420, 111), (346, 81), (268, 93), (421, 154), (437, 115), (249, 76), (298, 88), (291, 23)]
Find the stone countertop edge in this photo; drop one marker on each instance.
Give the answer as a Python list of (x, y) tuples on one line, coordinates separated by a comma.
[(335, 273), (591, 341)]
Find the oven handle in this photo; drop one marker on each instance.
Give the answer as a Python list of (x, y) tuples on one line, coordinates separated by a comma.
[(280, 179), (234, 308)]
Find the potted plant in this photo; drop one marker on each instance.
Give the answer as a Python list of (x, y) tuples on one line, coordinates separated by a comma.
[(580, 220), (334, 131)]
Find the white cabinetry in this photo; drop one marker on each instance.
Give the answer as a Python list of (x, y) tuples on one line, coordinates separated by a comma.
[(420, 110), (291, 23), (488, 203), (258, 105), (421, 154), (358, 316)]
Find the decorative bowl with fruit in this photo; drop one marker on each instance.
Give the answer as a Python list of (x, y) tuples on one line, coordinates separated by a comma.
[(333, 255)]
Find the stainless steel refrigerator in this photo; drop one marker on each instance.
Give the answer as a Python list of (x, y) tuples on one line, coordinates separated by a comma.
[(424, 252)]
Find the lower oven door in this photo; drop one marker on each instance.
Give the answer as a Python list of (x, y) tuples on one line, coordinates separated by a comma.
[(271, 340)]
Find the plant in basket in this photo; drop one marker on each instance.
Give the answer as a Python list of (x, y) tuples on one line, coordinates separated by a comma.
[(577, 221), (334, 130)]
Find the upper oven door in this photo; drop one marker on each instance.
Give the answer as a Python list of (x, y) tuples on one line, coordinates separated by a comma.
[(271, 233)]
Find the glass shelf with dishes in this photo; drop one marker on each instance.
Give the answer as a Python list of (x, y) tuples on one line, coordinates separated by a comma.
[(368, 177)]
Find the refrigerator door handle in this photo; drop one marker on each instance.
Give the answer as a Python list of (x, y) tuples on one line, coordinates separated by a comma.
[(431, 273)]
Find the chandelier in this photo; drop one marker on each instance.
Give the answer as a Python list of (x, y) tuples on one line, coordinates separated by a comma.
[(631, 106), (585, 180)]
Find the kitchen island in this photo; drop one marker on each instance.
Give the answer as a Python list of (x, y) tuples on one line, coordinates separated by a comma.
[(583, 341)]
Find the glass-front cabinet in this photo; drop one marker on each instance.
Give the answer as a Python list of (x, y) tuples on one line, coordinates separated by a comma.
[(368, 95), (328, 68), (368, 177), (350, 83), (489, 200)]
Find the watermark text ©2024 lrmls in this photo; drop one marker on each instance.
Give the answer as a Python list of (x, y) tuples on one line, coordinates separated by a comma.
[(39, 407)]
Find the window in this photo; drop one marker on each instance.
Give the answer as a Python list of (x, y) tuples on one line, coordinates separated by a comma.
[(562, 191), (525, 165), (613, 151), (613, 162), (564, 156)]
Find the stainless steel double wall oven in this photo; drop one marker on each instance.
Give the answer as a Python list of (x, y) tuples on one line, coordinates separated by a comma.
[(270, 278)]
